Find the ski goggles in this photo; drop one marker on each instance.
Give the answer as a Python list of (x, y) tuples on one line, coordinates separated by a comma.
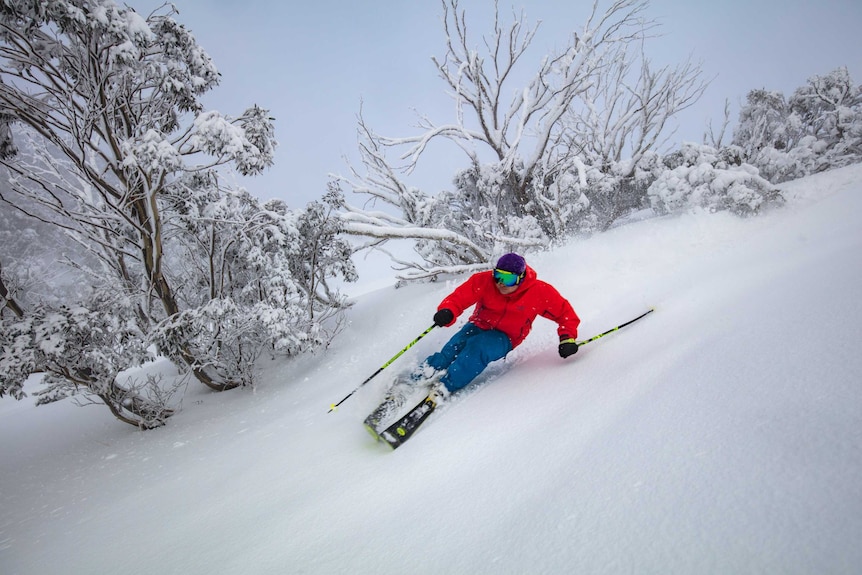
[(508, 279)]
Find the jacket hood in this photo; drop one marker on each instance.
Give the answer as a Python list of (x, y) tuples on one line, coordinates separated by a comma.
[(529, 279)]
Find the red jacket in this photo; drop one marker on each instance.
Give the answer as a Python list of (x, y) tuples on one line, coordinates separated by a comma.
[(512, 314)]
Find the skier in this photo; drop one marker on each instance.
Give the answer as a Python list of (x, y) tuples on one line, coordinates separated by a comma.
[(507, 301)]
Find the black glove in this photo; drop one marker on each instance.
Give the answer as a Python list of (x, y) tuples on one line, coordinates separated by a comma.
[(443, 317), (568, 346)]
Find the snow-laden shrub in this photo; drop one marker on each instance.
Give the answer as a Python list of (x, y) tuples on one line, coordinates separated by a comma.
[(82, 349), (566, 203), (809, 156), (266, 282), (590, 197), (483, 209), (818, 128), (704, 178)]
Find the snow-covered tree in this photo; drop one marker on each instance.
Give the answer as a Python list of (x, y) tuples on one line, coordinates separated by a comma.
[(104, 137), (319, 253), (701, 177), (830, 109), (414, 217), (763, 122), (593, 101), (714, 137), (817, 128)]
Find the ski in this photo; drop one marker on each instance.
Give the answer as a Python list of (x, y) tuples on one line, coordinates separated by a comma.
[(383, 413), (404, 428)]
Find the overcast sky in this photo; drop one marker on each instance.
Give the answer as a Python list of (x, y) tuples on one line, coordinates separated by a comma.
[(312, 63)]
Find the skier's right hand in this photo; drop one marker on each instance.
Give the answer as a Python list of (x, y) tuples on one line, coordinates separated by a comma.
[(443, 317), (568, 346)]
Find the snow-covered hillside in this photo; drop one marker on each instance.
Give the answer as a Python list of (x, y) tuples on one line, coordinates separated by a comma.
[(721, 434)]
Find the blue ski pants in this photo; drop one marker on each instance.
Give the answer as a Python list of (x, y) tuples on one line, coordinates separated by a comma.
[(468, 353)]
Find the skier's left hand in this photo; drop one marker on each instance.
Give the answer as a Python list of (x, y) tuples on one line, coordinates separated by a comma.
[(568, 346), (444, 317)]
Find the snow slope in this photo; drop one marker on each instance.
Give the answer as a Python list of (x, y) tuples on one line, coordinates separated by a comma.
[(720, 434)]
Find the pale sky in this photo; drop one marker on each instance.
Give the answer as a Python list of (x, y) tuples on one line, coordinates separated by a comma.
[(312, 63)]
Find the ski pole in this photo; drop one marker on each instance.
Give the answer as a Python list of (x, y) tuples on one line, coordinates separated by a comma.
[(334, 406), (595, 337)]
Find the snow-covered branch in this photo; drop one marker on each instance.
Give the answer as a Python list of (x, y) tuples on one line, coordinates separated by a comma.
[(583, 104)]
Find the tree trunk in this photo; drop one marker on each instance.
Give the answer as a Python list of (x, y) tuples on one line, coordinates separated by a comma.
[(9, 302), (147, 213)]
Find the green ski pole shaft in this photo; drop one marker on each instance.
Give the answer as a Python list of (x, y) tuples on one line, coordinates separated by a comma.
[(334, 406), (631, 321)]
